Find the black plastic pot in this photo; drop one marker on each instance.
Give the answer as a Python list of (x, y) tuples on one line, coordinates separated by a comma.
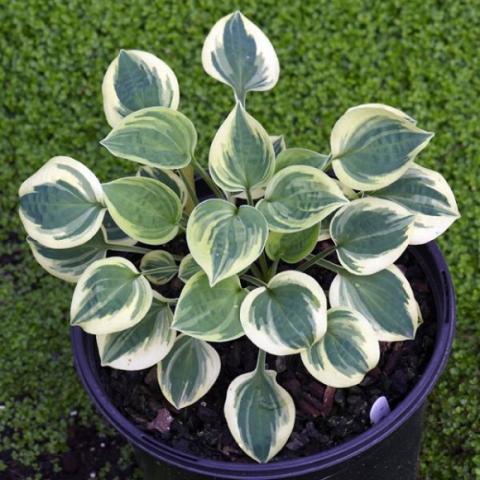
[(387, 451)]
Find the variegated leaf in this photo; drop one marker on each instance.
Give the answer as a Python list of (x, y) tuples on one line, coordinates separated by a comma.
[(156, 136), (370, 234), (158, 266), (144, 208), (69, 263), (300, 156), (142, 345), (372, 145), (279, 145), (346, 353), (188, 268), (260, 414), (210, 313), (170, 179), (241, 155), (238, 53), (188, 372), (113, 233), (385, 299), (136, 80), (224, 239), (298, 197), (292, 247), (427, 195), (287, 316), (61, 205), (110, 296)]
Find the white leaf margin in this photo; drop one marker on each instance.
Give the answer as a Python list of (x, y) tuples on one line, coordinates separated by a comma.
[(346, 126), (263, 339), (329, 374), (214, 41), (51, 173), (111, 102), (368, 264), (413, 308), (285, 429), (122, 318), (153, 349), (212, 371)]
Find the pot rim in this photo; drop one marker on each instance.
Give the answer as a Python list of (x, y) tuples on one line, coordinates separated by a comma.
[(431, 261)]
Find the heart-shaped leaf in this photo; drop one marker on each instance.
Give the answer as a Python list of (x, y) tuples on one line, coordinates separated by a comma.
[(287, 316), (370, 234), (238, 53), (385, 299), (110, 296), (142, 345), (144, 208), (210, 313), (260, 414), (300, 156), (426, 194), (348, 350), (188, 372), (69, 263), (188, 268), (224, 239), (136, 80), (61, 205), (372, 145), (292, 247), (170, 179), (241, 155), (298, 197), (155, 136), (158, 266)]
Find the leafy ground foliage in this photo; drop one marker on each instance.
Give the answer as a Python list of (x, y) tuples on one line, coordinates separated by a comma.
[(418, 55)]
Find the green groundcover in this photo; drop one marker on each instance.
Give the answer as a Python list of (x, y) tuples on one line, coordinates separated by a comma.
[(419, 55)]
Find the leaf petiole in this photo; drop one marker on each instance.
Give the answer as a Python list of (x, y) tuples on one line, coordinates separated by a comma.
[(262, 355), (253, 280), (255, 270), (208, 180), (273, 269), (313, 259), (333, 267), (248, 193), (263, 265), (126, 248)]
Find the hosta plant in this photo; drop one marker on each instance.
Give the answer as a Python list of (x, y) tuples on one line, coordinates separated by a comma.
[(251, 241)]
